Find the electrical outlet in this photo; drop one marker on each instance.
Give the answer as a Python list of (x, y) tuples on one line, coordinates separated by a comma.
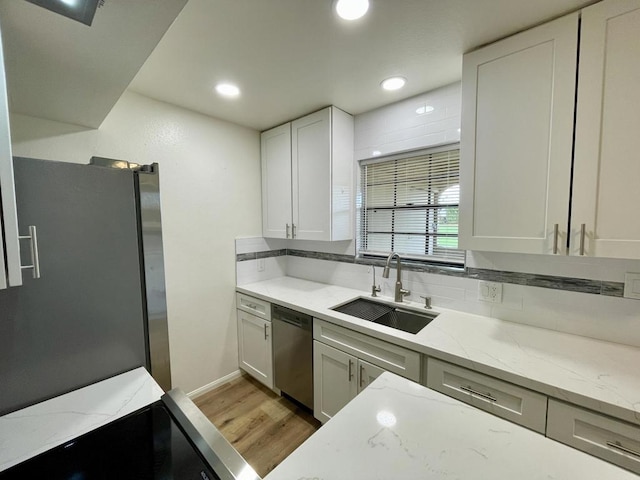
[(490, 292), (260, 264)]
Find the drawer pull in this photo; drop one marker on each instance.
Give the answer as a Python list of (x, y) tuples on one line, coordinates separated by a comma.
[(252, 306), (619, 446), (361, 375), (486, 396), (349, 373)]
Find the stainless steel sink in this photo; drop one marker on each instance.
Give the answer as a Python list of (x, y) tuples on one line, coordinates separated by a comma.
[(388, 315)]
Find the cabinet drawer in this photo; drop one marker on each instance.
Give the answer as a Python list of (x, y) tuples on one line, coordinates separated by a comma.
[(503, 399), (604, 437), (254, 306), (378, 352)]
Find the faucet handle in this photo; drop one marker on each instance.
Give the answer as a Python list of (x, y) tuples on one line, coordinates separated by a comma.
[(375, 290), (427, 301)]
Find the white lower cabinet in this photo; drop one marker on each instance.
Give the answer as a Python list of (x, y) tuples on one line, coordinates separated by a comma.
[(604, 437), (334, 383), (503, 399), (345, 362), (255, 351), (337, 378)]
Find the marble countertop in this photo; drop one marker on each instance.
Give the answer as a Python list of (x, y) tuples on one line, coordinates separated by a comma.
[(599, 375), (28, 432), (398, 429)]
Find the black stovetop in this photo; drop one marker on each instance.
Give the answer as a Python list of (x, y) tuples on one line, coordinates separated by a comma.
[(146, 444)]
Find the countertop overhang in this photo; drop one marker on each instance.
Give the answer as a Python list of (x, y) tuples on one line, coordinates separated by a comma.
[(398, 429)]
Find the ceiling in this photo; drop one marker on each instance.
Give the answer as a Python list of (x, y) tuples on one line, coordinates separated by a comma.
[(60, 69), (289, 57)]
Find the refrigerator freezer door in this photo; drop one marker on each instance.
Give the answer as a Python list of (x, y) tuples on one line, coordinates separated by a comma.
[(83, 320)]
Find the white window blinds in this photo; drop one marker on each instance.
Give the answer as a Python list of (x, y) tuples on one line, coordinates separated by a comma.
[(410, 206)]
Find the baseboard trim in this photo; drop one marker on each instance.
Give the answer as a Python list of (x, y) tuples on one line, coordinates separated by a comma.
[(216, 383)]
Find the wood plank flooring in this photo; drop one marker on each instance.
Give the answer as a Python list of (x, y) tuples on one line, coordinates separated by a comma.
[(264, 427)]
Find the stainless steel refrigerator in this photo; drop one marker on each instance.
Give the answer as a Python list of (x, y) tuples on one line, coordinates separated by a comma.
[(98, 308)]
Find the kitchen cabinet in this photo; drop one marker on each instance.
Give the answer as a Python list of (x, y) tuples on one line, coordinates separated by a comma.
[(307, 177), (334, 382), (338, 377), (520, 190), (10, 269), (345, 362), (607, 151), (255, 348), (601, 436), (517, 124), (503, 399), (276, 182)]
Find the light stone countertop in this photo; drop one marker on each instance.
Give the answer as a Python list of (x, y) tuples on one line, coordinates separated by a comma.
[(28, 432), (397, 429), (598, 375)]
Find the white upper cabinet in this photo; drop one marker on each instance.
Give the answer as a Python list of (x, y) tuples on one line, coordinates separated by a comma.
[(518, 99), (276, 182), (10, 270), (309, 162), (606, 188)]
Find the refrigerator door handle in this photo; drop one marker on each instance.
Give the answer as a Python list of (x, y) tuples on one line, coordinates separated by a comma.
[(35, 257)]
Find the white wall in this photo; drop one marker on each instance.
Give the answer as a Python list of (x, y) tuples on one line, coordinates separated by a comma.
[(210, 192)]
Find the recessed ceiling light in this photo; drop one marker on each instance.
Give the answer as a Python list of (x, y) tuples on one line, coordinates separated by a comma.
[(352, 9), (393, 83), (424, 109), (227, 90)]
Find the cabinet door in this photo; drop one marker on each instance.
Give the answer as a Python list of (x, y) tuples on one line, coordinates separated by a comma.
[(255, 354), (276, 182), (10, 272), (334, 380), (367, 373), (516, 143), (607, 151), (311, 166)]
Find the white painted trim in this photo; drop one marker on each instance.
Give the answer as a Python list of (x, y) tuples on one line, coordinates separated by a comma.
[(216, 383)]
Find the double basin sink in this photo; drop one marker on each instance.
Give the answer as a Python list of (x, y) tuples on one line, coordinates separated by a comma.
[(388, 315)]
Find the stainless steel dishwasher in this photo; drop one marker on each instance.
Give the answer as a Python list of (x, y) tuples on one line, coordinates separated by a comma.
[(293, 354)]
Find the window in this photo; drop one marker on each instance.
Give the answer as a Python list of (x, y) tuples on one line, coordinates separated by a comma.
[(410, 206)]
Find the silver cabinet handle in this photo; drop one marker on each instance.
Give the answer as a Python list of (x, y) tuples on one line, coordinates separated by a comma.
[(582, 234), (556, 229), (486, 396), (287, 230), (265, 331), (350, 374), (619, 446), (252, 306), (35, 257), (361, 374), (293, 230)]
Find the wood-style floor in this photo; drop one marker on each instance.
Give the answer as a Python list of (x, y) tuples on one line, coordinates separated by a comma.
[(264, 427)]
